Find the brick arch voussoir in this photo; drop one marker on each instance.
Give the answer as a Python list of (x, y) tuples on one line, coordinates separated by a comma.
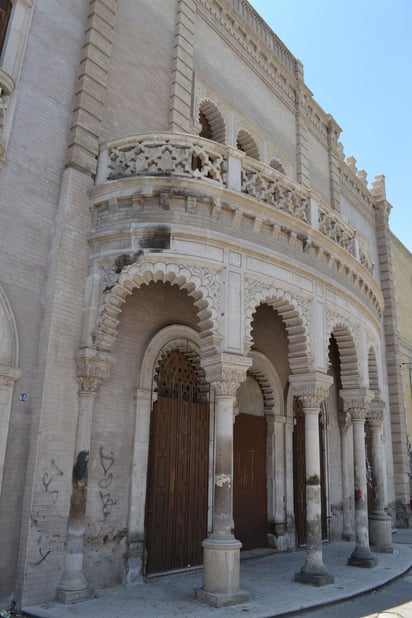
[(137, 275), (300, 360)]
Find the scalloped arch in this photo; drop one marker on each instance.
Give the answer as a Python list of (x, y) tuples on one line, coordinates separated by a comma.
[(201, 284), (267, 377), (373, 372), (214, 118), (343, 332), (292, 314), (246, 143)]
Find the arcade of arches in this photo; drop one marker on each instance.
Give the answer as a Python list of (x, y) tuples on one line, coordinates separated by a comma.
[(230, 454)]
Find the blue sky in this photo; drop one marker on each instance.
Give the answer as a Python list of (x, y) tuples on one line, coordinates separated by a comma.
[(357, 56)]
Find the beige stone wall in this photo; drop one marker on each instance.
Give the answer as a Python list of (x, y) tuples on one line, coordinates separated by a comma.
[(29, 193), (402, 266)]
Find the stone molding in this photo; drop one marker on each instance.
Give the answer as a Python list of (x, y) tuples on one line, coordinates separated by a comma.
[(225, 372), (92, 369), (294, 312), (201, 282)]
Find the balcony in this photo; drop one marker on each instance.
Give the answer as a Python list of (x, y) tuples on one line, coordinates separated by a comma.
[(250, 189)]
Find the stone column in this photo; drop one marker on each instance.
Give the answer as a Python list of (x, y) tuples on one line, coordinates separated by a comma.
[(8, 377), (221, 551), (134, 559), (356, 403), (92, 368), (380, 524), (345, 426), (312, 389)]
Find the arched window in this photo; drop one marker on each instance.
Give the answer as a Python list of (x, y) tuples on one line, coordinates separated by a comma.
[(211, 122), (5, 10), (247, 144)]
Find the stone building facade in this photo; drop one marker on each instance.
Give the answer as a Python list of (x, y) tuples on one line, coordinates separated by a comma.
[(197, 310), (402, 267)]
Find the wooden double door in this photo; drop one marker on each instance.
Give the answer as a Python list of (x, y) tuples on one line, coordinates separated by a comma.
[(178, 475)]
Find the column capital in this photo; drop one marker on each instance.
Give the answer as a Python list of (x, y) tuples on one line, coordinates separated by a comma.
[(92, 368), (311, 388), (356, 401), (375, 413), (344, 420), (225, 372)]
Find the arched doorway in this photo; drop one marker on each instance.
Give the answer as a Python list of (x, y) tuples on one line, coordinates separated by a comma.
[(249, 467), (178, 473)]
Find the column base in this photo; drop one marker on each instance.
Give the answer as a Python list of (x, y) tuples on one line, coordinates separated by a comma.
[(68, 597), (73, 588), (380, 533), (362, 557), (314, 579), (221, 573), (216, 599), (133, 571)]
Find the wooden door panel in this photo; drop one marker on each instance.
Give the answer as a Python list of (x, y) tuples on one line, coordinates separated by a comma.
[(249, 481), (176, 504)]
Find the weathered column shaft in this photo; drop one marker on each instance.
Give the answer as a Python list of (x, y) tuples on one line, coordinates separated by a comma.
[(356, 403), (221, 551), (223, 490), (92, 368), (380, 524), (345, 425), (312, 390)]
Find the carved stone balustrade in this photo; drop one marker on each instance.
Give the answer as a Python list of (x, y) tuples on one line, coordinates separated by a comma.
[(169, 166)]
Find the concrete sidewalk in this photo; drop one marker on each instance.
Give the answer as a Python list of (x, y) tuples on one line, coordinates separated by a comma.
[(267, 576)]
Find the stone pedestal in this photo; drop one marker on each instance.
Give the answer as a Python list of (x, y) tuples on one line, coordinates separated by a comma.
[(221, 560), (380, 533)]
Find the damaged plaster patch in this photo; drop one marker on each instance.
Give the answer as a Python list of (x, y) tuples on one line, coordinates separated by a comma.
[(223, 479)]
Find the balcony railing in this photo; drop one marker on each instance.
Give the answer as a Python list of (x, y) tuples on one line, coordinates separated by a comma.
[(189, 156)]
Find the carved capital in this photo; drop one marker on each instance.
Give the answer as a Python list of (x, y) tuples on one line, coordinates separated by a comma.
[(356, 402), (92, 368), (375, 414), (225, 372), (311, 389), (344, 420)]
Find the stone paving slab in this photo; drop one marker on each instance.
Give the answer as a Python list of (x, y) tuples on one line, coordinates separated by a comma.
[(269, 579)]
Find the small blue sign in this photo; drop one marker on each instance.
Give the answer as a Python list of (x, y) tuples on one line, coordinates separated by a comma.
[(23, 396)]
